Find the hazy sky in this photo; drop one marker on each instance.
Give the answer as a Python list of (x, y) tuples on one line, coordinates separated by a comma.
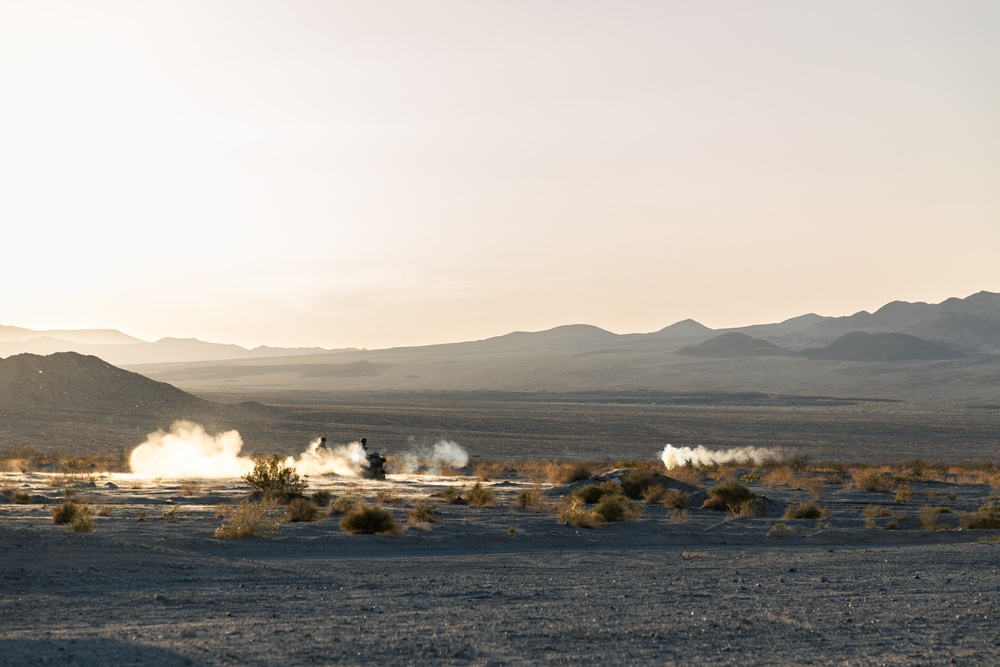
[(374, 174)]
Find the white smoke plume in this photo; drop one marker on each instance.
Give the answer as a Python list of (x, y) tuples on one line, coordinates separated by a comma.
[(431, 459), (321, 459), (699, 456), (188, 451)]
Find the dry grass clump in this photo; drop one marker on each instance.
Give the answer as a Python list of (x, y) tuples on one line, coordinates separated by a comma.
[(928, 517), (190, 488), (780, 476), (531, 499), (78, 517), (904, 493), (322, 498), (19, 497), (576, 513), (567, 473), (421, 514), (451, 495), (988, 517), (369, 520), (482, 496), (636, 481), (344, 504), (735, 498), (386, 497), (617, 508), (487, 470), (875, 512), (660, 495), (249, 519), (871, 479), (301, 509), (686, 473), (679, 516), (803, 510)]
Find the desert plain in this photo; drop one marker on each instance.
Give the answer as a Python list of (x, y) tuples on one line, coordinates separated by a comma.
[(877, 579)]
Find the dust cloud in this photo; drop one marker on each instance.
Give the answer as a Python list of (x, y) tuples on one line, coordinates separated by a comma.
[(699, 456), (188, 451)]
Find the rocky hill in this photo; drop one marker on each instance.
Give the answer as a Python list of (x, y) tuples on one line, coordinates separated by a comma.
[(68, 381)]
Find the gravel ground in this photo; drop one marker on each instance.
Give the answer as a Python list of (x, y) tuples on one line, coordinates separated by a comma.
[(492, 586)]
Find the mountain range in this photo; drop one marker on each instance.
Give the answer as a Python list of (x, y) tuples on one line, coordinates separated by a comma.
[(965, 326), (911, 352)]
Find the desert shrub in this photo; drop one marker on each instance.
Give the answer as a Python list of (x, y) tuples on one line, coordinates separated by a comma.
[(274, 480), (588, 494), (20, 497), (567, 473), (635, 480), (64, 513), (451, 495), (679, 516), (655, 494), (746, 509), (344, 504), (951, 495), (803, 510), (77, 517), (301, 509), (369, 520), (222, 510), (482, 496), (685, 473), (531, 499), (928, 517), (190, 488), (814, 485), (730, 496), (988, 517), (875, 512), (782, 528), (322, 498), (916, 470), (780, 476), (575, 512), (933, 494), (248, 519), (751, 477), (386, 497), (421, 513), (83, 521), (870, 479), (617, 508), (904, 493), (799, 461)]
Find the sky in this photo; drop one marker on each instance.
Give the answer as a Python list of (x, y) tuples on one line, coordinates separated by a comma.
[(388, 173)]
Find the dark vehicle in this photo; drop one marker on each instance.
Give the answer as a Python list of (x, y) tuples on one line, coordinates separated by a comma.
[(376, 463)]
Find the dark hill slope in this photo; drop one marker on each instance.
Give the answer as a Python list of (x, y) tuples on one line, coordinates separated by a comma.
[(68, 381), (732, 344), (861, 346)]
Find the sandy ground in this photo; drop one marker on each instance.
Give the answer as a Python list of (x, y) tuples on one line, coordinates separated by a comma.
[(493, 586)]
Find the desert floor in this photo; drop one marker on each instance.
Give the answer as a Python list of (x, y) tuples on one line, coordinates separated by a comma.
[(493, 585)]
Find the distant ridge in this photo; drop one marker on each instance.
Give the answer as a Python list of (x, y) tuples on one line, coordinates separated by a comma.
[(861, 346), (732, 344)]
